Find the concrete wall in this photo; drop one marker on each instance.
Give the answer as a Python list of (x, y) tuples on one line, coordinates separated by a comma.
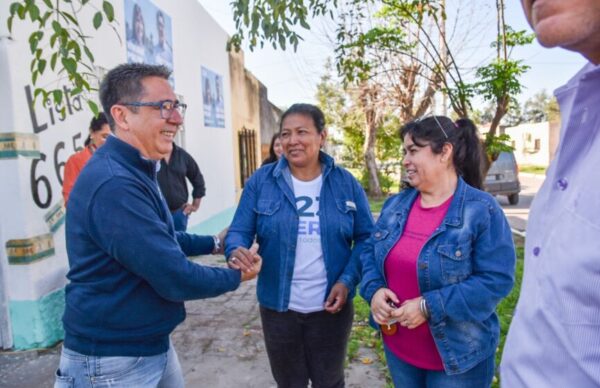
[(532, 142), (269, 121), (554, 137), (35, 141), (245, 104)]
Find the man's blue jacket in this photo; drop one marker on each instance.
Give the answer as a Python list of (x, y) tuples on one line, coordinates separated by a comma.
[(129, 273)]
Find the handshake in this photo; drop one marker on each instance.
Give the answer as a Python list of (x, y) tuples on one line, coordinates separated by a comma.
[(248, 261)]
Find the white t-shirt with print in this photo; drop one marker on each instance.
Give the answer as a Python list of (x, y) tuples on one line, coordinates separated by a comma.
[(309, 282)]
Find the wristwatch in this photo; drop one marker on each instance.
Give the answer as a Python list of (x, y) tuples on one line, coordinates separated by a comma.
[(217, 242)]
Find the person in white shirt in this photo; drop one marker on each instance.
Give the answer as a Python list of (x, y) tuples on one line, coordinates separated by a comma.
[(554, 338)]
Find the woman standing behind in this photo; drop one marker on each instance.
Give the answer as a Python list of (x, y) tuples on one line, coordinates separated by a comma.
[(99, 131), (311, 219), (275, 150), (439, 261)]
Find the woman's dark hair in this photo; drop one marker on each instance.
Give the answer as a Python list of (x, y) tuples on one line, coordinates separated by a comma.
[(96, 125), (462, 134), (272, 156), (308, 110)]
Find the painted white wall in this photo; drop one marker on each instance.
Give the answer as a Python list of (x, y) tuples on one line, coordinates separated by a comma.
[(524, 137), (197, 41), (202, 43)]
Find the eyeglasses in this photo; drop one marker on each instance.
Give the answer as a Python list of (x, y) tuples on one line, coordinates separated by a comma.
[(167, 107), (436, 121)]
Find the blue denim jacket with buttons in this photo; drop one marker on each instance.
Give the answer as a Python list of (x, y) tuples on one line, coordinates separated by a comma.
[(267, 210), (464, 270)]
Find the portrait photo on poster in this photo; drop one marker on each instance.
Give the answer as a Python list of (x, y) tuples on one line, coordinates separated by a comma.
[(148, 35), (212, 98)]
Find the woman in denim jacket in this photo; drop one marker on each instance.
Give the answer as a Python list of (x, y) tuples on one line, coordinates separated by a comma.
[(439, 261), (311, 219)]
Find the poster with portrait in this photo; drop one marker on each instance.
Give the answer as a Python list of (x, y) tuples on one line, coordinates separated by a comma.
[(148, 34), (212, 97)]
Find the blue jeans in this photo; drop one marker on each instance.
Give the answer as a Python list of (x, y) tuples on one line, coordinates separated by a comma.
[(77, 370), (406, 375), (180, 220), (303, 347)]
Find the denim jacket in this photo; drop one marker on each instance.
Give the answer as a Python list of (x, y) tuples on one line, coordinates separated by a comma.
[(268, 210), (464, 269)]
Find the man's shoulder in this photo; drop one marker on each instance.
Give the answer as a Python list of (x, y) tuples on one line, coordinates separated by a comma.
[(182, 153), (575, 81), (101, 168)]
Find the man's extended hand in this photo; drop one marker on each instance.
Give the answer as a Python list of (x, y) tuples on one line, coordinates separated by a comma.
[(246, 260)]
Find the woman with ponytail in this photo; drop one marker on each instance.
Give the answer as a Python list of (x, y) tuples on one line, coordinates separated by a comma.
[(99, 131), (440, 259)]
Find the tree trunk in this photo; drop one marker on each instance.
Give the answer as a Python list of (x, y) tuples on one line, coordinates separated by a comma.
[(369, 101), (370, 162), (501, 109), (443, 53)]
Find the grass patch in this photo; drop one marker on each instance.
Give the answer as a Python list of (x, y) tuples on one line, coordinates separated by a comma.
[(506, 309), (533, 169), (376, 204), (363, 335)]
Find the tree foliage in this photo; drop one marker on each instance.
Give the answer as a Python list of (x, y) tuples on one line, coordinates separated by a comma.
[(540, 107), (274, 21), (59, 43), (401, 41), (345, 121)]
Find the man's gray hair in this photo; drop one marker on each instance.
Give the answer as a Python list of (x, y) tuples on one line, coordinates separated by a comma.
[(124, 84)]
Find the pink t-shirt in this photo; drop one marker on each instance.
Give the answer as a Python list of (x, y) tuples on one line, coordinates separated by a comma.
[(415, 346)]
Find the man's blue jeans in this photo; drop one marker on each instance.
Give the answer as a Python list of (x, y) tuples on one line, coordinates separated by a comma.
[(180, 220), (77, 370), (406, 375)]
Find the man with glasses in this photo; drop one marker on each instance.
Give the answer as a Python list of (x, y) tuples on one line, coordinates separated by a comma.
[(554, 338), (129, 274), (175, 167)]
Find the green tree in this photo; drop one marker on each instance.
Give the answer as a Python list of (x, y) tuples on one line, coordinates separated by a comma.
[(59, 43), (402, 28), (514, 114), (540, 107), (344, 115)]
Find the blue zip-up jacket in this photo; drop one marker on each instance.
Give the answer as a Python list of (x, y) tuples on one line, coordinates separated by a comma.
[(464, 270), (129, 273), (268, 210)]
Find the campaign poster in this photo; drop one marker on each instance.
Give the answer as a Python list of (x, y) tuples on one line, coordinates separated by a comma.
[(212, 97), (148, 33)]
